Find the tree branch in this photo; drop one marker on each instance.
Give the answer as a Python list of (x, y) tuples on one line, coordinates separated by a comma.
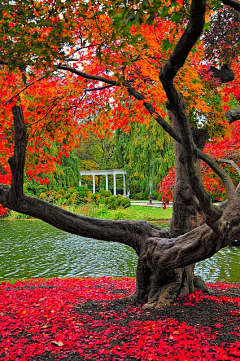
[(173, 65), (224, 74), (227, 181), (131, 91), (85, 75), (186, 42), (167, 127), (131, 233), (235, 166), (196, 245), (17, 162), (98, 88), (233, 3), (176, 105), (233, 115), (27, 86)]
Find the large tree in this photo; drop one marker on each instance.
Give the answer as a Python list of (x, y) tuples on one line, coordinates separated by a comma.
[(136, 62)]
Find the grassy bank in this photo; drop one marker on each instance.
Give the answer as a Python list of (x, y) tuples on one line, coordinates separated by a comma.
[(133, 212), (102, 212)]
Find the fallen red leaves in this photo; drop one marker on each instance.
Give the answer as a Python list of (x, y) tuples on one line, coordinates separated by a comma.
[(74, 319)]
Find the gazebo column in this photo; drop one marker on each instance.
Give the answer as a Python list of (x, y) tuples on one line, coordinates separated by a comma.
[(106, 182), (114, 185), (93, 185), (124, 185)]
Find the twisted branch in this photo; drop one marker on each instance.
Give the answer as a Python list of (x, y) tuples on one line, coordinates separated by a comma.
[(167, 74), (233, 3)]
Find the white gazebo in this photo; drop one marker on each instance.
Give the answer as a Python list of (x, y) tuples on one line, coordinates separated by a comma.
[(106, 173)]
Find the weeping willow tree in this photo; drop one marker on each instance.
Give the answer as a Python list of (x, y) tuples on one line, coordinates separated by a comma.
[(67, 173), (146, 153)]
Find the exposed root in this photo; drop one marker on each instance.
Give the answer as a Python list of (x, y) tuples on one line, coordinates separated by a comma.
[(201, 285), (159, 289)]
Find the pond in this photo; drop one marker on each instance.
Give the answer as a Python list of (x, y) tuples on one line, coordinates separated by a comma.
[(30, 249)]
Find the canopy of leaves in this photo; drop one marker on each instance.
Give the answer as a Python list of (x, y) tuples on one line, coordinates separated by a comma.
[(228, 149), (71, 67), (222, 43)]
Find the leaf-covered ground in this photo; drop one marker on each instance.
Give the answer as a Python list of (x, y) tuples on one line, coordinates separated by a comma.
[(81, 319)]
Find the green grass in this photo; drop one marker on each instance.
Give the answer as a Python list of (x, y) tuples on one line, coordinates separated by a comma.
[(102, 212), (12, 215), (133, 212)]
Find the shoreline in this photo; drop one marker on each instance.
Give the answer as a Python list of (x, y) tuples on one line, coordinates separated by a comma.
[(162, 220)]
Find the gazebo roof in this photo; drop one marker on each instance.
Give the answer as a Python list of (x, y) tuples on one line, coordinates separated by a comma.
[(102, 172)]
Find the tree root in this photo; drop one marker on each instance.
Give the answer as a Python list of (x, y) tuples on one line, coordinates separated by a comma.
[(157, 289)]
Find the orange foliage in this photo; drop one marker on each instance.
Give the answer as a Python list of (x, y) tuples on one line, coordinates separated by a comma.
[(62, 106)]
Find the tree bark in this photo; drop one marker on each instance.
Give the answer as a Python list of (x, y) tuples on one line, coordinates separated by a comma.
[(224, 74), (233, 115), (187, 213), (161, 287)]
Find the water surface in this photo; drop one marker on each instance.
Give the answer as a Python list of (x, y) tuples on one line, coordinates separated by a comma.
[(35, 249)]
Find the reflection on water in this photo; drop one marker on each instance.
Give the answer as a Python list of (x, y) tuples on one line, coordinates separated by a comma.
[(224, 266), (35, 249)]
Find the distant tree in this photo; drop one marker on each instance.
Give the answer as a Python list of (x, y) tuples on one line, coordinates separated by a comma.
[(146, 153), (97, 152)]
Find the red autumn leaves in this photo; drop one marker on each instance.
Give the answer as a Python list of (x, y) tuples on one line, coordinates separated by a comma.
[(40, 319), (227, 148)]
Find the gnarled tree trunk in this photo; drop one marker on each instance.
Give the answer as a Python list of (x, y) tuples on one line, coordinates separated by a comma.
[(158, 287)]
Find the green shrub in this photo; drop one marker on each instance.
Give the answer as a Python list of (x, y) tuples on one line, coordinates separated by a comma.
[(42, 188), (61, 191), (80, 200), (123, 202), (137, 195), (126, 203), (82, 191), (43, 195), (105, 194), (95, 198), (112, 202), (76, 196), (145, 195)]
